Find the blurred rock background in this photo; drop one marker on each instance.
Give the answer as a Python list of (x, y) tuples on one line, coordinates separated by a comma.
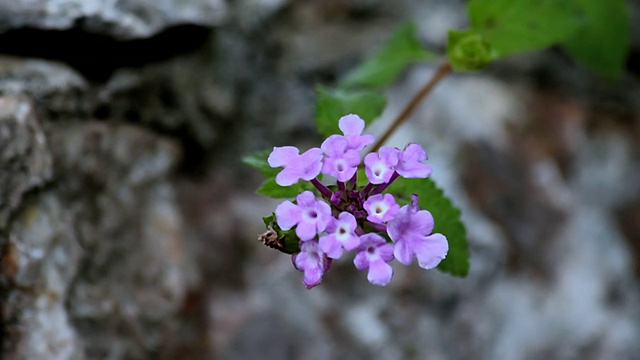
[(128, 225)]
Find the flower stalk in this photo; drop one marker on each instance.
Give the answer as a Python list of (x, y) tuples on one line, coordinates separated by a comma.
[(443, 70)]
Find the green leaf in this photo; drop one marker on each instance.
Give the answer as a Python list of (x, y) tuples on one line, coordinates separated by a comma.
[(258, 160), (271, 189), (512, 26), (467, 50), (602, 43), (332, 105), (362, 178), (446, 217), (381, 69)]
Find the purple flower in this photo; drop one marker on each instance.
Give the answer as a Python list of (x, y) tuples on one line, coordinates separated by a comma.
[(410, 231), (341, 162), (341, 234), (312, 261), (380, 166), (381, 208), (352, 126), (410, 162), (374, 253), (306, 166), (311, 215)]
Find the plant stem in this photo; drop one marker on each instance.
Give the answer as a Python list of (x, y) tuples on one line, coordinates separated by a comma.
[(325, 191), (382, 187), (443, 70)]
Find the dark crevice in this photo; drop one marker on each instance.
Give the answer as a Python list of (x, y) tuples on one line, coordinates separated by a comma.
[(97, 56), (628, 217), (195, 152), (195, 156), (633, 62)]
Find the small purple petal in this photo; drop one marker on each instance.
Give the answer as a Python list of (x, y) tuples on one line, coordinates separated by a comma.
[(422, 222), (379, 167), (374, 253), (331, 247), (311, 162), (280, 156), (306, 231), (341, 162), (306, 166), (414, 205), (334, 145), (410, 231), (360, 142), (310, 215), (403, 253), (386, 252), (306, 199), (312, 261), (380, 273), (361, 261), (351, 243), (343, 167), (410, 162), (287, 215), (432, 250), (352, 126), (381, 209), (307, 261), (341, 235)]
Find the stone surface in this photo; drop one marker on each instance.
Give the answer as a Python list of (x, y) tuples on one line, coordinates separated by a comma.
[(120, 19), (25, 158), (104, 239), (128, 224)]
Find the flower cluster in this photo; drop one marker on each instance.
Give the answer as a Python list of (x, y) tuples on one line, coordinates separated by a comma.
[(352, 218)]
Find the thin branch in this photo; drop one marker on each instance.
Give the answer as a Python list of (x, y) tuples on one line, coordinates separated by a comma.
[(442, 71)]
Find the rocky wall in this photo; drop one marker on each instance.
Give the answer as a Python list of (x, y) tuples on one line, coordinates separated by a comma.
[(128, 225)]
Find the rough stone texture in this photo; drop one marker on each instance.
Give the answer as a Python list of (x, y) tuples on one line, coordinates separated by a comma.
[(128, 226), (120, 19), (25, 157), (104, 240)]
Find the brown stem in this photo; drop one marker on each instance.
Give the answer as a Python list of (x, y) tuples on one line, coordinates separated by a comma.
[(442, 71)]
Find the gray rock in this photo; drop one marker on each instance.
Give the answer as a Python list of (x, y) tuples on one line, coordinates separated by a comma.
[(129, 225), (105, 240), (44, 254), (120, 19), (25, 158)]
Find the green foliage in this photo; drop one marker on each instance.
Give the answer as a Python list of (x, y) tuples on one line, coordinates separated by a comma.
[(513, 26), (382, 68), (602, 42), (288, 238), (332, 105), (362, 177), (595, 32), (258, 161), (356, 94), (467, 50), (269, 187), (446, 217)]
